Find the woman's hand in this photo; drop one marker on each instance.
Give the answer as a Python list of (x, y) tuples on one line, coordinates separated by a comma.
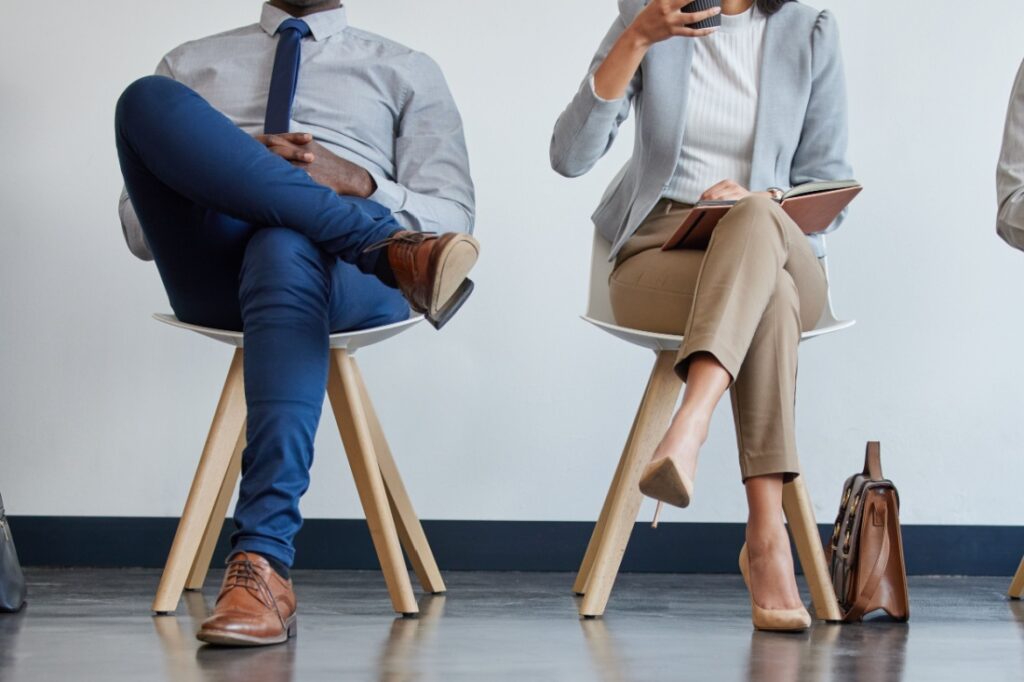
[(661, 20), (658, 21), (726, 190)]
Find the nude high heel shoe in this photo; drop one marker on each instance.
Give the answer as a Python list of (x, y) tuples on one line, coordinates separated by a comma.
[(772, 620), (664, 481)]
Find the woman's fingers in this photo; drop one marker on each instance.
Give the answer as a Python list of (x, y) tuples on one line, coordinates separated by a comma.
[(692, 32), (663, 19), (716, 189), (726, 189), (682, 20)]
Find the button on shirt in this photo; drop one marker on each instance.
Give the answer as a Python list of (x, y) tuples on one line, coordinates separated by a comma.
[(367, 99)]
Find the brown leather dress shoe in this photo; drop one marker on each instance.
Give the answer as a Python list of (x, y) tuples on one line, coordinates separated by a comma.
[(255, 606), (430, 270)]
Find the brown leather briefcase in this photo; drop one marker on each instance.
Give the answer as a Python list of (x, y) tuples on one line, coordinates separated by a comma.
[(866, 550)]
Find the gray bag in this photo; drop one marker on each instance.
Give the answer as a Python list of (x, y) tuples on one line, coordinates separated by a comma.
[(12, 580)]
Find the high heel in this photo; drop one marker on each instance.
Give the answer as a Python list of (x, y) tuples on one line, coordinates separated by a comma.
[(772, 620), (664, 481)]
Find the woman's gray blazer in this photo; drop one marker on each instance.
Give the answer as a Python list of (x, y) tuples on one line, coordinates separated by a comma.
[(800, 134)]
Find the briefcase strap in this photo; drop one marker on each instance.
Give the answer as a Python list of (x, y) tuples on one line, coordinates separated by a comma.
[(867, 592)]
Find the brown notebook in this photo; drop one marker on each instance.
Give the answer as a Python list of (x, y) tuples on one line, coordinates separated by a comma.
[(812, 206)]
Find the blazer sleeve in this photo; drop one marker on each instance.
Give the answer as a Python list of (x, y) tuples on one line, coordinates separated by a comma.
[(1010, 172), (586, 129), (821, 153)]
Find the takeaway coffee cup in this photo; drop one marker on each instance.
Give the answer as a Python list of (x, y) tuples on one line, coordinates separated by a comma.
[(701, 5)]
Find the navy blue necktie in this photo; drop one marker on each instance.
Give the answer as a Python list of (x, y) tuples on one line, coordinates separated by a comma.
[(285, 75)]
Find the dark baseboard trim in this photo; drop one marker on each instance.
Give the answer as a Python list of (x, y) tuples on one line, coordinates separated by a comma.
[(497, 545)]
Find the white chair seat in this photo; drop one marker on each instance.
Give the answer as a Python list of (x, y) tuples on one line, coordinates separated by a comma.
[(822, 330), (659, 342), (350, 341), (654, 341)]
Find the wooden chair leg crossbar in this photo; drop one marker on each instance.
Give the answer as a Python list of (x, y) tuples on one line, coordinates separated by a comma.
[(389, 513), (615, 523)]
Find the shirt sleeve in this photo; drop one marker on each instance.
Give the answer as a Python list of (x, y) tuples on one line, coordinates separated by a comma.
[(1010, 172), (432, 190), (130, 225)]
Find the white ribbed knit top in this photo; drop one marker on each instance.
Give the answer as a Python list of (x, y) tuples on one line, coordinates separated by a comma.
[(721, 110)]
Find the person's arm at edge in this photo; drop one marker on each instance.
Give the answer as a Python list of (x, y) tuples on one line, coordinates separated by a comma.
[(1010, 171), (433, 189)]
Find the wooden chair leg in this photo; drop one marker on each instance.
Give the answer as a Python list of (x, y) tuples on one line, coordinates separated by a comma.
[(583, 576), (347, 403), (651, 421), (796, 502), (206, 486), (201, 565), (1016, 590), (410, 530)]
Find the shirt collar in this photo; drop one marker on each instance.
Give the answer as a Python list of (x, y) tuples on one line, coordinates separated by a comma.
[(322, 25), (732, 23)]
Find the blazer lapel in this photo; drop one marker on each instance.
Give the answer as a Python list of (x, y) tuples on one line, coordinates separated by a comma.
[(666, 78), (779, 76)]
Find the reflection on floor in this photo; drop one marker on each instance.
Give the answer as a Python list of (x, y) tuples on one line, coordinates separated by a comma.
[(95, 625)]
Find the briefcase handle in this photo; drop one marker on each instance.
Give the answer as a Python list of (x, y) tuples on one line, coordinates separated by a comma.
[(873, 461)]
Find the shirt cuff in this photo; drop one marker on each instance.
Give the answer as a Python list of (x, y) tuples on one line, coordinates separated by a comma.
[(389, 194), (593, 91)]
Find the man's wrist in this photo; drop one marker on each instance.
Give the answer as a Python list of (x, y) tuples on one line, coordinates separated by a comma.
[(388, 193), (360, 184), (370, 184)]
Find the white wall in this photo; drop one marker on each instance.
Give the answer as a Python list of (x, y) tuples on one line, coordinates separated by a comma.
[(103, 412)]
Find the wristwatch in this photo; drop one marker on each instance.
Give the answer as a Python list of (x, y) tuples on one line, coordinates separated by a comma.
[(776, 193)]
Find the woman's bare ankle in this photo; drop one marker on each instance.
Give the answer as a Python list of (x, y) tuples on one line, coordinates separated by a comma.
[(766, 536), (773, 581)]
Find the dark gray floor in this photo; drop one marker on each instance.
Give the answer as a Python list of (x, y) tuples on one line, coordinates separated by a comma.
[(95, 625)]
